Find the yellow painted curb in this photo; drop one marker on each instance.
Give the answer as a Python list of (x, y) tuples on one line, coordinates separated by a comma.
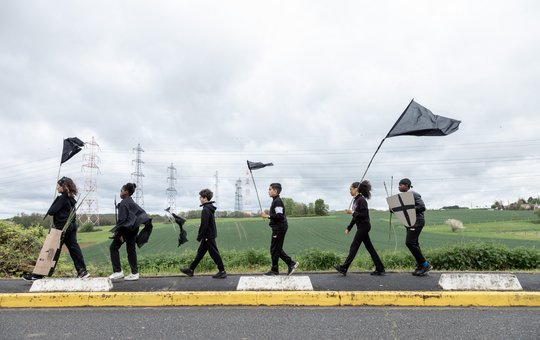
[(271, 298)]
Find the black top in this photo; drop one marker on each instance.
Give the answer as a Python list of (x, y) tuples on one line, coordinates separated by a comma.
[(60, 210), (278, 220), (419, 206), (130, 215), (208, 229), (360, 212)]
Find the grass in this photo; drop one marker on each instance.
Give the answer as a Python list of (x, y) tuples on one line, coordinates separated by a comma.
[(511, 228)]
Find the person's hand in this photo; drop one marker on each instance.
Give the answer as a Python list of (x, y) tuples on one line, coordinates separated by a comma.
[(348, 211), (347, 231), (264, 215)]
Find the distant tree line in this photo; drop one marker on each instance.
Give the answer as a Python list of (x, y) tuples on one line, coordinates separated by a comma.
[(292, 208), (521, 204)]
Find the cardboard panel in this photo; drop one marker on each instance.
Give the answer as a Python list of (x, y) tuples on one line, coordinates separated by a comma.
[(49, 253), (402, 205)]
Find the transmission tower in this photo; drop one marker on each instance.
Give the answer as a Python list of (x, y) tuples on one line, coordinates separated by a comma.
[(89, 212), (171, 190), (216, 176), (238, 204), (137, 176)]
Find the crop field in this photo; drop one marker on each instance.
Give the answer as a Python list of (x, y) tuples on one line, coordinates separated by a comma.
[(512, 228)]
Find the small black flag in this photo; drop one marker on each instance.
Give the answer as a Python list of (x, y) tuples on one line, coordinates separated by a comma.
[(71, 147), (257, 165)]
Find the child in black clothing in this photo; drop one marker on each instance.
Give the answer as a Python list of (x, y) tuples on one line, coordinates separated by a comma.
[(207, 236)]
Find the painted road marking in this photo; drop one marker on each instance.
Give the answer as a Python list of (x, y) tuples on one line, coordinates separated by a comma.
[(279, 282), (472, 281), (98, 284)]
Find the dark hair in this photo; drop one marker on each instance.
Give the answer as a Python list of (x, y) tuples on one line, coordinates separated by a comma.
[(68, 186), (207, 193), (406, 181), (276, 187), (130, 188), (364, 188)]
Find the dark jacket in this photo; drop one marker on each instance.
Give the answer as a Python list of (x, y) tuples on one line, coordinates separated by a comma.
[(130, 215), (420, 207), (278, 219), (60, 210), (360, 213), (208, 229)]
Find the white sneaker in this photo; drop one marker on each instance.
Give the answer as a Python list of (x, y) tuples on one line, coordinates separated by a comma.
[(132, 277), (117, 276)]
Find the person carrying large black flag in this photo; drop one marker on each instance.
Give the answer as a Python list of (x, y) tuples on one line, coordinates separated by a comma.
[(64, 218)]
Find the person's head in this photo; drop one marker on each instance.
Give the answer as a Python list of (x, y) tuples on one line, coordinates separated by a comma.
[(127, 190), (363, 188), (205, 195), (274, 189), (404, 185), (67, 186)]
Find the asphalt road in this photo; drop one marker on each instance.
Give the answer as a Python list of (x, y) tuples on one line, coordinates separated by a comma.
[(271, 323)]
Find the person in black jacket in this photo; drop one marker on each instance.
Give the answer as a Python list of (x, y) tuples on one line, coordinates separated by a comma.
[(130, 217), (60, 210), (279, 225), (360, 216), (413, 233), (207, 236)]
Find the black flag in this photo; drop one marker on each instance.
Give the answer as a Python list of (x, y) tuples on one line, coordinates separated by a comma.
[(416, 120), (71, 147), (257, 165)]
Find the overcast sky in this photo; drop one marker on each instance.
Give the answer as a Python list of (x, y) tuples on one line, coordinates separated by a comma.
[(312, 86)]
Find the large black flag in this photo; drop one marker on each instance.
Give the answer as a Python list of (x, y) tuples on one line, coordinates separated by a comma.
[(257, 165), (416, 120), (71, 147)]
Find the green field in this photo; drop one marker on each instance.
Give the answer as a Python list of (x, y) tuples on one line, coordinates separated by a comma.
[(512, 228)]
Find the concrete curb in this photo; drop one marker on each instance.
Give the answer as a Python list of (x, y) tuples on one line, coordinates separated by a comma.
[(267, 298)]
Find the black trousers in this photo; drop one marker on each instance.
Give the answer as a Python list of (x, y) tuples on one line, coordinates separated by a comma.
[(126, 236), (70, 240), (276, 250), (411, 241), (209, 246), (362, 235)]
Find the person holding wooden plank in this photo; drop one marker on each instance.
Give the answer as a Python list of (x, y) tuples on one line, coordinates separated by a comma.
[(64, 218)]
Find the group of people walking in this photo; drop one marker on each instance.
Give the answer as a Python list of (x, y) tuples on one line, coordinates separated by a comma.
[(131, 216)]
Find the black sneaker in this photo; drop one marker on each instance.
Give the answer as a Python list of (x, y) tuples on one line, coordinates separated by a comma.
[(292, 268), (423, 270), (377, 273), (220, 275), (83, 274), (271, 273), (187, 271), (31, 277), (341, 270)]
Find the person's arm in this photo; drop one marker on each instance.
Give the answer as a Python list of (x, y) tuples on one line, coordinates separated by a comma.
[(123, 213), (57, 205), (419, 203), (278, 213), (205, 223)]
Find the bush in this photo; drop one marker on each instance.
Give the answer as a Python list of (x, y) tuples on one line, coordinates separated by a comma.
[(314, 259), (87, 227), (19, 247)]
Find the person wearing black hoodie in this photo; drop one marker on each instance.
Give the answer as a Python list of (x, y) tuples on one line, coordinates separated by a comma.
[(60, 210), (360, 217), (207, 236), (279, 225), (130, 217)]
